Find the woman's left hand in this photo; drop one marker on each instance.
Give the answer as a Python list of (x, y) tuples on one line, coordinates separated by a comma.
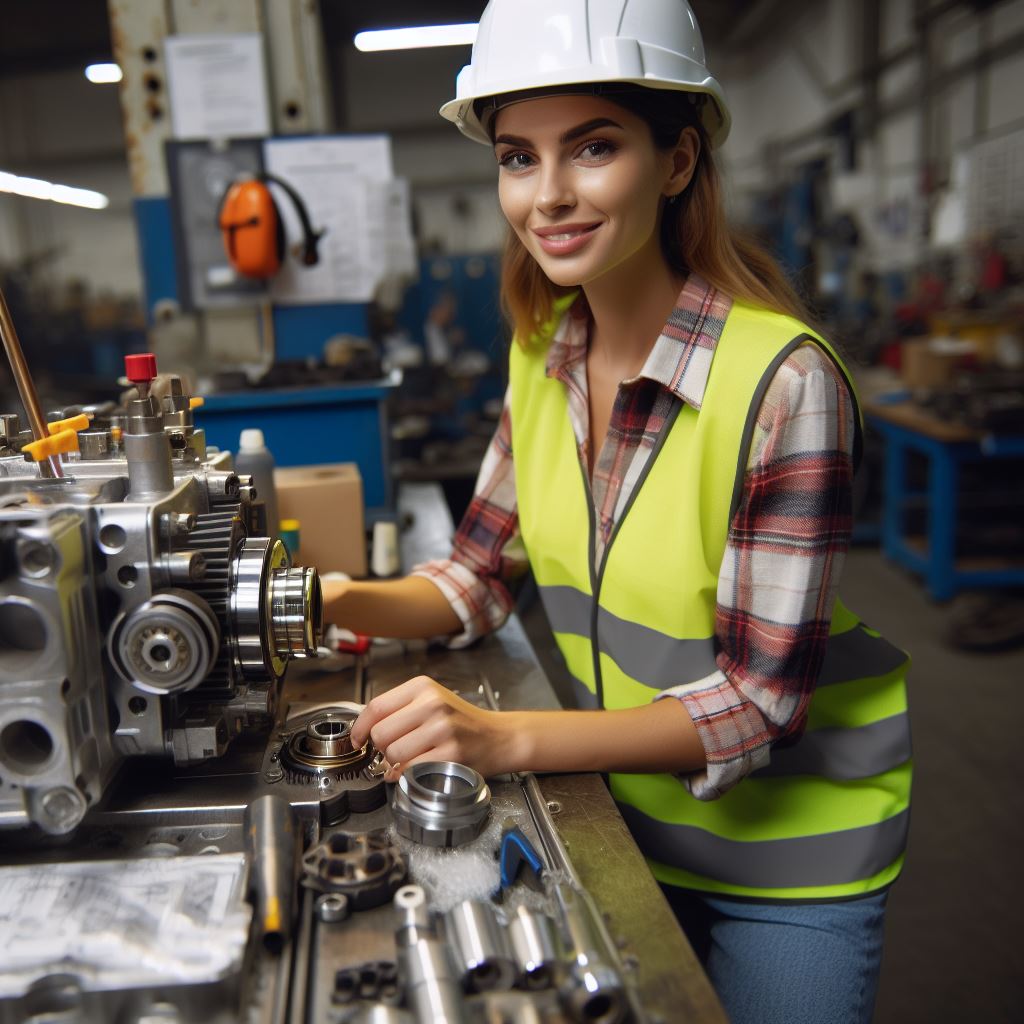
[(423, 721)]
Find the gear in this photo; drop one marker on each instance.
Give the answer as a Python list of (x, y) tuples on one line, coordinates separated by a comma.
[(315, 749)]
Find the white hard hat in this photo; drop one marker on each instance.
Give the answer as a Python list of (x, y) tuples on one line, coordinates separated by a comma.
[(536, 44)]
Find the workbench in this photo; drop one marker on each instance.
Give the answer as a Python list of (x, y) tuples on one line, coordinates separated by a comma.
[(908, 427), (157, 810)]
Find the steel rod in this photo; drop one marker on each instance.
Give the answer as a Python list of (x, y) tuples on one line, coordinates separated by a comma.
[(26, 389)]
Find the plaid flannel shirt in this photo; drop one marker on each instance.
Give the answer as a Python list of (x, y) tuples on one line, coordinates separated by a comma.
[(786, 543)]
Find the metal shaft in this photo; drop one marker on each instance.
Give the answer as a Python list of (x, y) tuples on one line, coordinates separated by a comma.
[(272, 844), (26, 389)]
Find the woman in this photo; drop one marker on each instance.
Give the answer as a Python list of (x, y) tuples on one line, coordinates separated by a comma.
[(674, 465)]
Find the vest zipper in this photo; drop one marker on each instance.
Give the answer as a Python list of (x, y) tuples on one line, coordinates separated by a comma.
[(594, 585), (597, 577)]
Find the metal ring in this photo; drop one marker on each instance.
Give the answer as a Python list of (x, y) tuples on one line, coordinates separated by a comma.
[(332, 907), (441, 803)]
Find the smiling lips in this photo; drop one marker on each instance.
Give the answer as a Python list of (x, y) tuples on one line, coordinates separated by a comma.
[(563, 239)]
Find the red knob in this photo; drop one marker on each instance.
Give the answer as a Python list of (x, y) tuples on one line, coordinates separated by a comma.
[(141, 368)]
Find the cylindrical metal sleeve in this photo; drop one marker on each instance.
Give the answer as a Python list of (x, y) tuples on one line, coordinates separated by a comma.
[(431, 986), (150, 470), (593, 990), (480, 947), (532, 937)]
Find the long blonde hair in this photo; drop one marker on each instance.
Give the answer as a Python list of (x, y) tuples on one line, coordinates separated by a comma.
[(695, 234)]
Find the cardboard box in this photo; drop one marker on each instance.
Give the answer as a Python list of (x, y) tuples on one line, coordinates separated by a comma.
[(328, 503), (925, 366)]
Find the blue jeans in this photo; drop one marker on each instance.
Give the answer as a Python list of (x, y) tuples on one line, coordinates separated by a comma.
[(787, 963)]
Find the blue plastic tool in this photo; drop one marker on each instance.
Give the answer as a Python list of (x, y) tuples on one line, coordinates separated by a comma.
[(516, 852)]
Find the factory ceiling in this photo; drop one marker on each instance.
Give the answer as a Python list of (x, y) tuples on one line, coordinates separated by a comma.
[(52, 35)]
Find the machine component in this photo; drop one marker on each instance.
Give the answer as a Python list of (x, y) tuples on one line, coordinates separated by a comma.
[(332, 907), (431, 979), (593, 990), (314, 748), (441, 803), (480, 947), (366, 868), (532, 938), (166, 645), (273, 848), (276, 622), (376, 981), (379, 1013), (138, 614)]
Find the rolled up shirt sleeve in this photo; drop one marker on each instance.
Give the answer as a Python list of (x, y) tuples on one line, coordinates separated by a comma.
[(779, 577), (488, 552)]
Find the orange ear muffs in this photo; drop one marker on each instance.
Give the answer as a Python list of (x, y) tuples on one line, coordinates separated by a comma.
[(253, 232)]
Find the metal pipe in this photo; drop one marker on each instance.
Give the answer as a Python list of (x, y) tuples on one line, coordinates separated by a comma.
[(480, 946), (273, 847), (26, 389), (532, 936)]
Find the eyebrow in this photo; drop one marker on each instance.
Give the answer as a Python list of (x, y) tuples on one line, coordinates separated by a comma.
[(570, 136)]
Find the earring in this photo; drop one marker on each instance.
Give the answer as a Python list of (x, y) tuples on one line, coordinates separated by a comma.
[(672, 200)]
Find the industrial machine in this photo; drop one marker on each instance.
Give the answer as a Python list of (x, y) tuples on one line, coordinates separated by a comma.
[(143, 609)]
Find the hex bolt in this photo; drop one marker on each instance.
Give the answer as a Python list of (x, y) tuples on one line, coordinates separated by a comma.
[(182, 523), (186, 566), (63, 807), (332, 907)]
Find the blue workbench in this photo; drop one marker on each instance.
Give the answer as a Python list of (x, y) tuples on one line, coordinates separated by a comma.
[(314, 425), (906, 428)]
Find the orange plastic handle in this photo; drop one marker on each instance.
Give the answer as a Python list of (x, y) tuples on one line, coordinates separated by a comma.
[(79, 422), (55, 444)]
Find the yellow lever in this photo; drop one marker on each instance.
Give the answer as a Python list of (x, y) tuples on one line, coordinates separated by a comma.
[(196, 402), (79, 422), (55, 444)]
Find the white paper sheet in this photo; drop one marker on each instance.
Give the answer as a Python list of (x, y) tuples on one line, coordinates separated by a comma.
[(217, 86), (349, 190), (123, 924)]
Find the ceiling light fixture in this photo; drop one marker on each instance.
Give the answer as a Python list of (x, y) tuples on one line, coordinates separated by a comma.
[(102, 74), (416, 38), (36, 188)]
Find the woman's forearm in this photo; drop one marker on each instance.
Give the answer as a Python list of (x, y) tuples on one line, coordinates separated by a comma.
[(657, 737), (408, 607), (424, 721)]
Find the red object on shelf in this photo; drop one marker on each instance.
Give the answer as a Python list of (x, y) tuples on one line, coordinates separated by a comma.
[(140, 368), (360, 645)]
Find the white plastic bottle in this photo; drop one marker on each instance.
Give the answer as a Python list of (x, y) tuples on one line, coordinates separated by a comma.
[(253, 459)]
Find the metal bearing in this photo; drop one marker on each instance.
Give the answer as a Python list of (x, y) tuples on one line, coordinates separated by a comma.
[(441, 803), (166, 645)]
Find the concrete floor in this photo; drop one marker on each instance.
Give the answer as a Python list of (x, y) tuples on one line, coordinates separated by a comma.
[(954, 950)]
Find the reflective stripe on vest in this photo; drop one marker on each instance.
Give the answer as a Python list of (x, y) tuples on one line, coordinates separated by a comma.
[(841, 792)]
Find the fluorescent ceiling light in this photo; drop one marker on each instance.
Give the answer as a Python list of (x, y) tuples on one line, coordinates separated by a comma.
[(415, 38), (101, 74), (36, 188)]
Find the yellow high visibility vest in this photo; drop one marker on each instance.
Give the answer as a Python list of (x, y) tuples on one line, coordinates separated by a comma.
[(828, 817)]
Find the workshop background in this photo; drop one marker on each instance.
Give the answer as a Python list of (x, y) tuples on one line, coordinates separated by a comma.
[(877, 147)]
